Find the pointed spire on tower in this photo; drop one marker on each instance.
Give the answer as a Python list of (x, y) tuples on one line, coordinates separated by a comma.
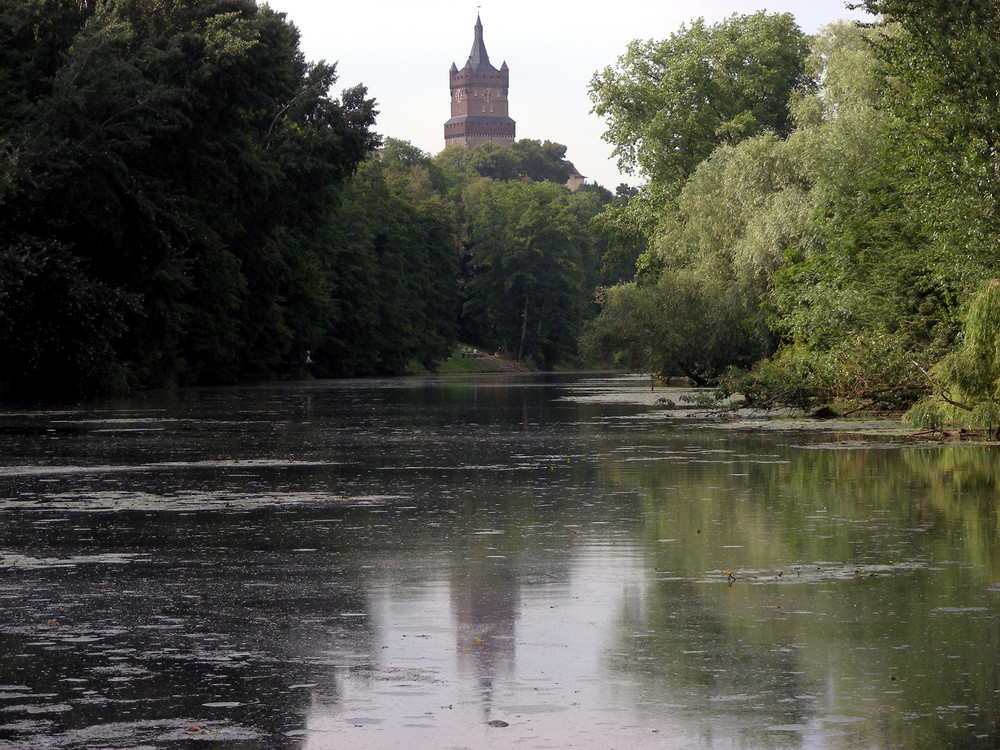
[(478, 55)]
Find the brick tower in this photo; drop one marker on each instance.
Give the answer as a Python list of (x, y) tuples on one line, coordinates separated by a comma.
[(479, 100)]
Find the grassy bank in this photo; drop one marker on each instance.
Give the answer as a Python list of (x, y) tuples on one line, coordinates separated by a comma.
[(466, 359)]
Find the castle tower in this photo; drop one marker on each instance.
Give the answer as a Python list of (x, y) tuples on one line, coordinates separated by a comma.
[(479, 100)]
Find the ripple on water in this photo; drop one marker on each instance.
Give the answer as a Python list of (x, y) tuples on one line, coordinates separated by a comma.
[(105, 501), (37, 708), (27, 562), (40, 470)]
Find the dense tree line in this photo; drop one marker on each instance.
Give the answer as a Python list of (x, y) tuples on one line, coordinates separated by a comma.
[(820, 211), (170, 166), (480, 246), (532, 268), (183, 201)]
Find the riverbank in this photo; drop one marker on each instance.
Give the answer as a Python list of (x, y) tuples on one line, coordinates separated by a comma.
[(683, 403), (468, 359)]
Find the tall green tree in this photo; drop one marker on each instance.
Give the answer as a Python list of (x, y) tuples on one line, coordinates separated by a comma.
[(391, 268), (531, 259), (669, 103), (914, 244), (704, 116), (945, 65), (178, 158)]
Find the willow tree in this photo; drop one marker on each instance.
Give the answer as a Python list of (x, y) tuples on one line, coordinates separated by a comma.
[(681, 112), (966, 383), (701, 115)]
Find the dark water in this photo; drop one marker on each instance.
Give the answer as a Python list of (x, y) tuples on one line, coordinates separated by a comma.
[(401, 563)]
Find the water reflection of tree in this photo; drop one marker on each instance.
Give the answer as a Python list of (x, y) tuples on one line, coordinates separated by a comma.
[(679, 647), (904, 641)]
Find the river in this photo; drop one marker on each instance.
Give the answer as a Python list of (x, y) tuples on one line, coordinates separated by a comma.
[(489, 562)]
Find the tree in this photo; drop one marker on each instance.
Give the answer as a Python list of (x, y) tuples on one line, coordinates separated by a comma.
[(541, 161), (966, 383), (530, 260), (203, 278), (524, 159), (676, 325), (945, 63), (670, 103), (913, 245), (779, 232), (390, 267)]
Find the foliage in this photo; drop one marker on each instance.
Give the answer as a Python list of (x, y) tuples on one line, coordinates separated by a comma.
[(391, 268), (73, 319), (702, 114), (525, 159), (125, 265), (677, 325), (973, 368), (185, 202), (865, 372), (821, 213), (851, 231), (966, 383), (531, 267), (928, 229), (670, 103)]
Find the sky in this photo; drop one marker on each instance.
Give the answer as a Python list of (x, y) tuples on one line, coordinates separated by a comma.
[(402, 50)]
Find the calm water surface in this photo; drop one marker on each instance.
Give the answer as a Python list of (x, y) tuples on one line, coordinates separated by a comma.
[(522, 562)]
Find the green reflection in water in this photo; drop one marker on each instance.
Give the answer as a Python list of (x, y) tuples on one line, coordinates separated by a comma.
[(543, 536), (819, 591)]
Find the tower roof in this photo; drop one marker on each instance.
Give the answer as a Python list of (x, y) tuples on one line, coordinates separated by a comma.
[(478, 57)]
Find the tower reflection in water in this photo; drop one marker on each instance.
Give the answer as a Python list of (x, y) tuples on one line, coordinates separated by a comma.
[(485, 602)]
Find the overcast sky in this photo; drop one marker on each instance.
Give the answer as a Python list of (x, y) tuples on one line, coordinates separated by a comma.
[(401, 50)]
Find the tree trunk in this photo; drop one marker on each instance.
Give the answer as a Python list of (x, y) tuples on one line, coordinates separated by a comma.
[(524, 328)]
